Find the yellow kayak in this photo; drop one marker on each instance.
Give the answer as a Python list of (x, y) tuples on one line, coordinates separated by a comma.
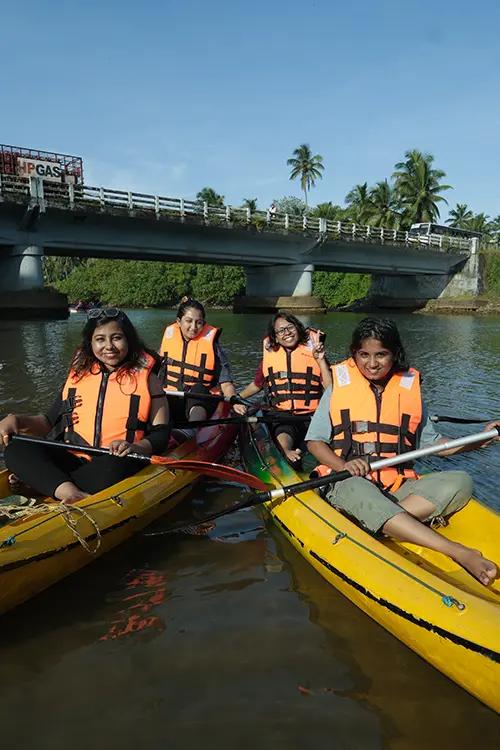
[(422, 597), (49, 544)]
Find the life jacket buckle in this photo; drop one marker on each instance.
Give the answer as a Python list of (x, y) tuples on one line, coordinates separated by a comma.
[(360, 426)]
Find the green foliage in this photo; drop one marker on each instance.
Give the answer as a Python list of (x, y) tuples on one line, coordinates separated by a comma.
[(208, 195), (418, 188), (306, 166), (56, 268), (133, 283), (340, 289), (330, 211), (381, 207), (218, 285), (460, 216), (291, 205), (250, 203), (492, 273), (358, 203)]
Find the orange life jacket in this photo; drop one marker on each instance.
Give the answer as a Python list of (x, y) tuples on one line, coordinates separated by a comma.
[(292, 379), (366, 423), (104, 406), (186, 363)]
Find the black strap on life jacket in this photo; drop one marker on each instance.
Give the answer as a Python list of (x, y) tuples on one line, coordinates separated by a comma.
[(291, 387), (350, 448), (133, 421), (182, 378), (68, 405)]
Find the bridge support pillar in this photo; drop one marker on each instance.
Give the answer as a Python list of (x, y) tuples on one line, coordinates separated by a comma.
[(416, 291), (271, 288), (22, 294)]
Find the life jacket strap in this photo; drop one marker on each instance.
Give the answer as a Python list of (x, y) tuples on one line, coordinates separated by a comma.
[(133, 422)]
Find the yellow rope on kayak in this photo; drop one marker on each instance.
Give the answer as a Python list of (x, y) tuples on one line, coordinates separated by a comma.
[(71, 515)]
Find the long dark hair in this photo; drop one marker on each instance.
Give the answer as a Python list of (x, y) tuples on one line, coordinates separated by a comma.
[(290, 319), (385, 331), (188, 303), (84, 359)]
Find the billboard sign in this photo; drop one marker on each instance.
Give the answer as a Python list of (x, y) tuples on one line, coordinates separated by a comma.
[(50, 171)]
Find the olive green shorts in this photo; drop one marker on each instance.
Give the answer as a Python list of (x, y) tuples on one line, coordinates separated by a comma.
[(448, 491)]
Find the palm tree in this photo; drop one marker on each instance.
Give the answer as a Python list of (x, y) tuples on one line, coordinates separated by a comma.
[(357, 201), (481, 223), (329, 211), (460, 216), (418, 187), (250, 203), (382, 207), (209, 196), (306, 166)]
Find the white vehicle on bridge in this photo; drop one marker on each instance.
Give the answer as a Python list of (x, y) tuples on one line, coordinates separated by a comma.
[(427, 229)]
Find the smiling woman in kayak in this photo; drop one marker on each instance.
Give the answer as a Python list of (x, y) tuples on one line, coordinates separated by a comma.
[(293, 373), (374, 409), (110, 398), (194, 361)]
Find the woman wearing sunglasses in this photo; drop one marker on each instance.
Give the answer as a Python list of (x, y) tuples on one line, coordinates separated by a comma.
[(194, 361), (110, 399), (293, 373)]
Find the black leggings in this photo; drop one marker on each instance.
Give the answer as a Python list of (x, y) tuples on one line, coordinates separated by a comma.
[(295, 430), (181, 406), (44, 469)]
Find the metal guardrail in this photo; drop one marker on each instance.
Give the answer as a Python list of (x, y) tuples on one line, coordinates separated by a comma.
[(85, 198)]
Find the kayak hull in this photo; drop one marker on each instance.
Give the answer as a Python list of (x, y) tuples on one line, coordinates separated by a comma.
[(41, 550), (421, 597)]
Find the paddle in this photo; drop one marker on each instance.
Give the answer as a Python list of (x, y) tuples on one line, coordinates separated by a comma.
[(269, 418), (257, 498), (458, 420), (209, 397), (203, 467)]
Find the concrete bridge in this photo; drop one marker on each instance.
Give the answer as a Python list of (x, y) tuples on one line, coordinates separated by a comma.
[(278, 251)]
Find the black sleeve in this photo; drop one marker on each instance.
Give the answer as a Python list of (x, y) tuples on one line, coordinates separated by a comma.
[(158, 436)]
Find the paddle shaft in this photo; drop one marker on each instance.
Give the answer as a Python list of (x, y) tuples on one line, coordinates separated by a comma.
[(458, 420), (81, 448), (479, 437), (207, 396), (257, 498), (208, 468), (268, 418)]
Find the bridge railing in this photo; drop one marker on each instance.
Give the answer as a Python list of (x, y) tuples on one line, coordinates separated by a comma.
[(105, 200)]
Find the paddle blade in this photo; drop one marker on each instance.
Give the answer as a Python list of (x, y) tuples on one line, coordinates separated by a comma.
[(226, 473)]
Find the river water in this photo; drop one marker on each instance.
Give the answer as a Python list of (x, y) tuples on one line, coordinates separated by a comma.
[(237, 641)]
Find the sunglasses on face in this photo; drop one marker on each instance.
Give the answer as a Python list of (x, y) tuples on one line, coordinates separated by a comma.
[(283, 331), (103, 312)]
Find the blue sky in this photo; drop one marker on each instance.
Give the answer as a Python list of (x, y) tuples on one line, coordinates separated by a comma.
[(167, 97)]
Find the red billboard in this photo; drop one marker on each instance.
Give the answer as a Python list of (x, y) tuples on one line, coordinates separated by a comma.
[(47, 165)]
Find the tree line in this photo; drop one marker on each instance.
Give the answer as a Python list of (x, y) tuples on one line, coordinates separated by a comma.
[(413, 194)]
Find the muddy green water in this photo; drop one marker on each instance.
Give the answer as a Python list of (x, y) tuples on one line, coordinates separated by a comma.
[(233, 641)]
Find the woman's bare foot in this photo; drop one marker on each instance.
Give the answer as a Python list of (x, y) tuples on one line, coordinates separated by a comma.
[(67, 492), (18, 487), (472, 560), (293, 454)]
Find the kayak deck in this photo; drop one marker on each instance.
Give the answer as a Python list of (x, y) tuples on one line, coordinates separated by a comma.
[(423, 597), (40, 549)]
